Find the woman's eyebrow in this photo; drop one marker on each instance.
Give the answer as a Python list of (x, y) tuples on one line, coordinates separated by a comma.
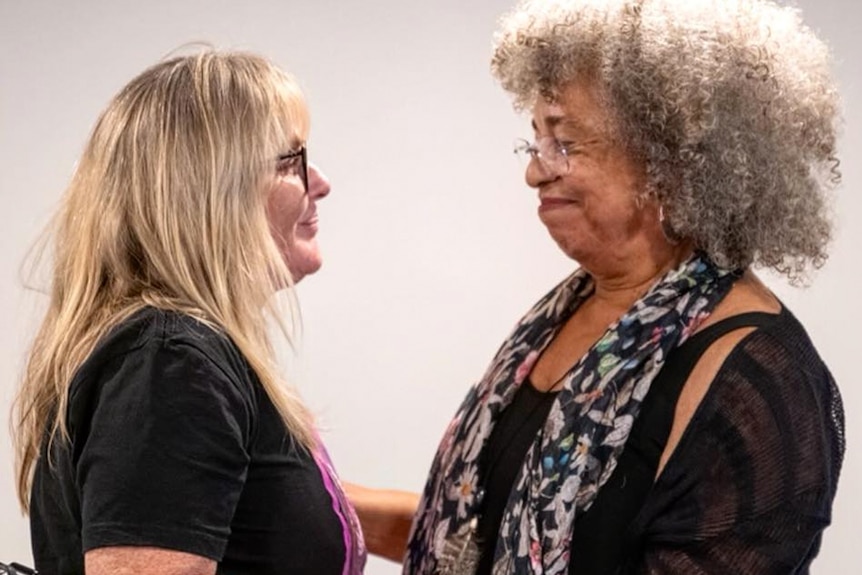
[(295, 143), (562, 121), (550, 121)]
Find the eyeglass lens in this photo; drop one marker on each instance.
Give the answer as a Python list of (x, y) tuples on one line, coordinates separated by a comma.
[(547, 151)]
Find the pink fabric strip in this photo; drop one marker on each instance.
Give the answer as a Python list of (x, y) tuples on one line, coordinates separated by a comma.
[(326, 473)]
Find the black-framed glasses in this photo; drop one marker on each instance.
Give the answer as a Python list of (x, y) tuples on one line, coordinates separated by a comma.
[(550, 153), (302, 155)]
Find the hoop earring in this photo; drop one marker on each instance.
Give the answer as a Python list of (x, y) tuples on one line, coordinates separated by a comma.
[(667, 230)]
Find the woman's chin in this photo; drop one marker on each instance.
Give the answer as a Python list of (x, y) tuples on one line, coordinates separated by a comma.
[(304, 268)]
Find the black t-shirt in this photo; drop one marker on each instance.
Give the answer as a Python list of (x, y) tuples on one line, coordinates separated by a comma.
[(173, 443)]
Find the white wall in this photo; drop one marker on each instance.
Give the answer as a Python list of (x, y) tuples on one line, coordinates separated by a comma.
[(432, 245)]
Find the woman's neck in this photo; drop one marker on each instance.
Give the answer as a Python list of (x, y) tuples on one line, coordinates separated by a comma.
[(619, 282)]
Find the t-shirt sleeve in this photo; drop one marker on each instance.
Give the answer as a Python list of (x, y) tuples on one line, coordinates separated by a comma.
[(161, 454), (751, 487)]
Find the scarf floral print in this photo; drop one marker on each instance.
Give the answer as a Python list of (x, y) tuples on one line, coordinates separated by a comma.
[(582, 438)]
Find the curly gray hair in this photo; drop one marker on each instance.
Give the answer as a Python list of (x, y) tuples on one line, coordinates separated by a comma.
[(730, 104)]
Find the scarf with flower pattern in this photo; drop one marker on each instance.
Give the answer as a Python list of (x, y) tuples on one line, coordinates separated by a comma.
[(583, 436)]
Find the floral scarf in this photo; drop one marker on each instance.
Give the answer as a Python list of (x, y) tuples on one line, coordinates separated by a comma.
[(582, 438)]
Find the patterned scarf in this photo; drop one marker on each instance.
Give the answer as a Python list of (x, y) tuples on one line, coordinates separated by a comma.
[(582, 438)]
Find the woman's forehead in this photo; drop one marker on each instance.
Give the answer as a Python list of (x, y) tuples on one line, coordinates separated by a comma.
[(576, 107), (293, 123)]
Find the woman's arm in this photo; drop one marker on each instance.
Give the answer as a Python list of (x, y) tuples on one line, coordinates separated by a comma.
[(145, 561), (386, 516), (751, 484)]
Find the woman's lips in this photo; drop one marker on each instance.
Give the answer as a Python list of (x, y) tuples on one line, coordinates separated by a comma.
[(546, 204), (309, 217), (309, 226)]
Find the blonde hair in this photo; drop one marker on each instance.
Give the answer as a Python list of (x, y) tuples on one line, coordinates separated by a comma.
[(167, 208)]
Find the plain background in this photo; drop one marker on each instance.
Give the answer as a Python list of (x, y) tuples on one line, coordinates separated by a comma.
[(431, 241)]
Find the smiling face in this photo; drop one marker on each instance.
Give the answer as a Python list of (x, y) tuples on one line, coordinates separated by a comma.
[(292, 215), (590, 208)]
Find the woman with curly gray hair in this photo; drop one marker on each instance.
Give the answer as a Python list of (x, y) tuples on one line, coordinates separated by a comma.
[(660, 410)]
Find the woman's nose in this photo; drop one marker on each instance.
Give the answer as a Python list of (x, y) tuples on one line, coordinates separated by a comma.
[(537, 173), (318, 183)]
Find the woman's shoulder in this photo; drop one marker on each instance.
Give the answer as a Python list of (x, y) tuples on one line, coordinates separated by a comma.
[(747, 295), (752, 320), (152, 335), (158, 360), (152, 327), (773, 389), (149, 324), (765, 345), (779, 362), (771, 417), (771, 337), (762, 379)]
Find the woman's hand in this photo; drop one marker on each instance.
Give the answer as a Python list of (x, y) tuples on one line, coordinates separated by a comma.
[(386, 516)]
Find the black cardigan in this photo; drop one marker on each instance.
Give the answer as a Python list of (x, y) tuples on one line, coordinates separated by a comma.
[(749, 488)]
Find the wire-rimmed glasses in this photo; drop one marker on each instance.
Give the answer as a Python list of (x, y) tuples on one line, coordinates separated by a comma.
[(547, 150)]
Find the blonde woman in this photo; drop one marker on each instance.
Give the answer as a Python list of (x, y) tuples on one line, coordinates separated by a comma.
[(154, 434)]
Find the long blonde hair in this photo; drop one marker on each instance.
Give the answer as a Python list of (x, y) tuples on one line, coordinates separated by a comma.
[(167, 208)]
